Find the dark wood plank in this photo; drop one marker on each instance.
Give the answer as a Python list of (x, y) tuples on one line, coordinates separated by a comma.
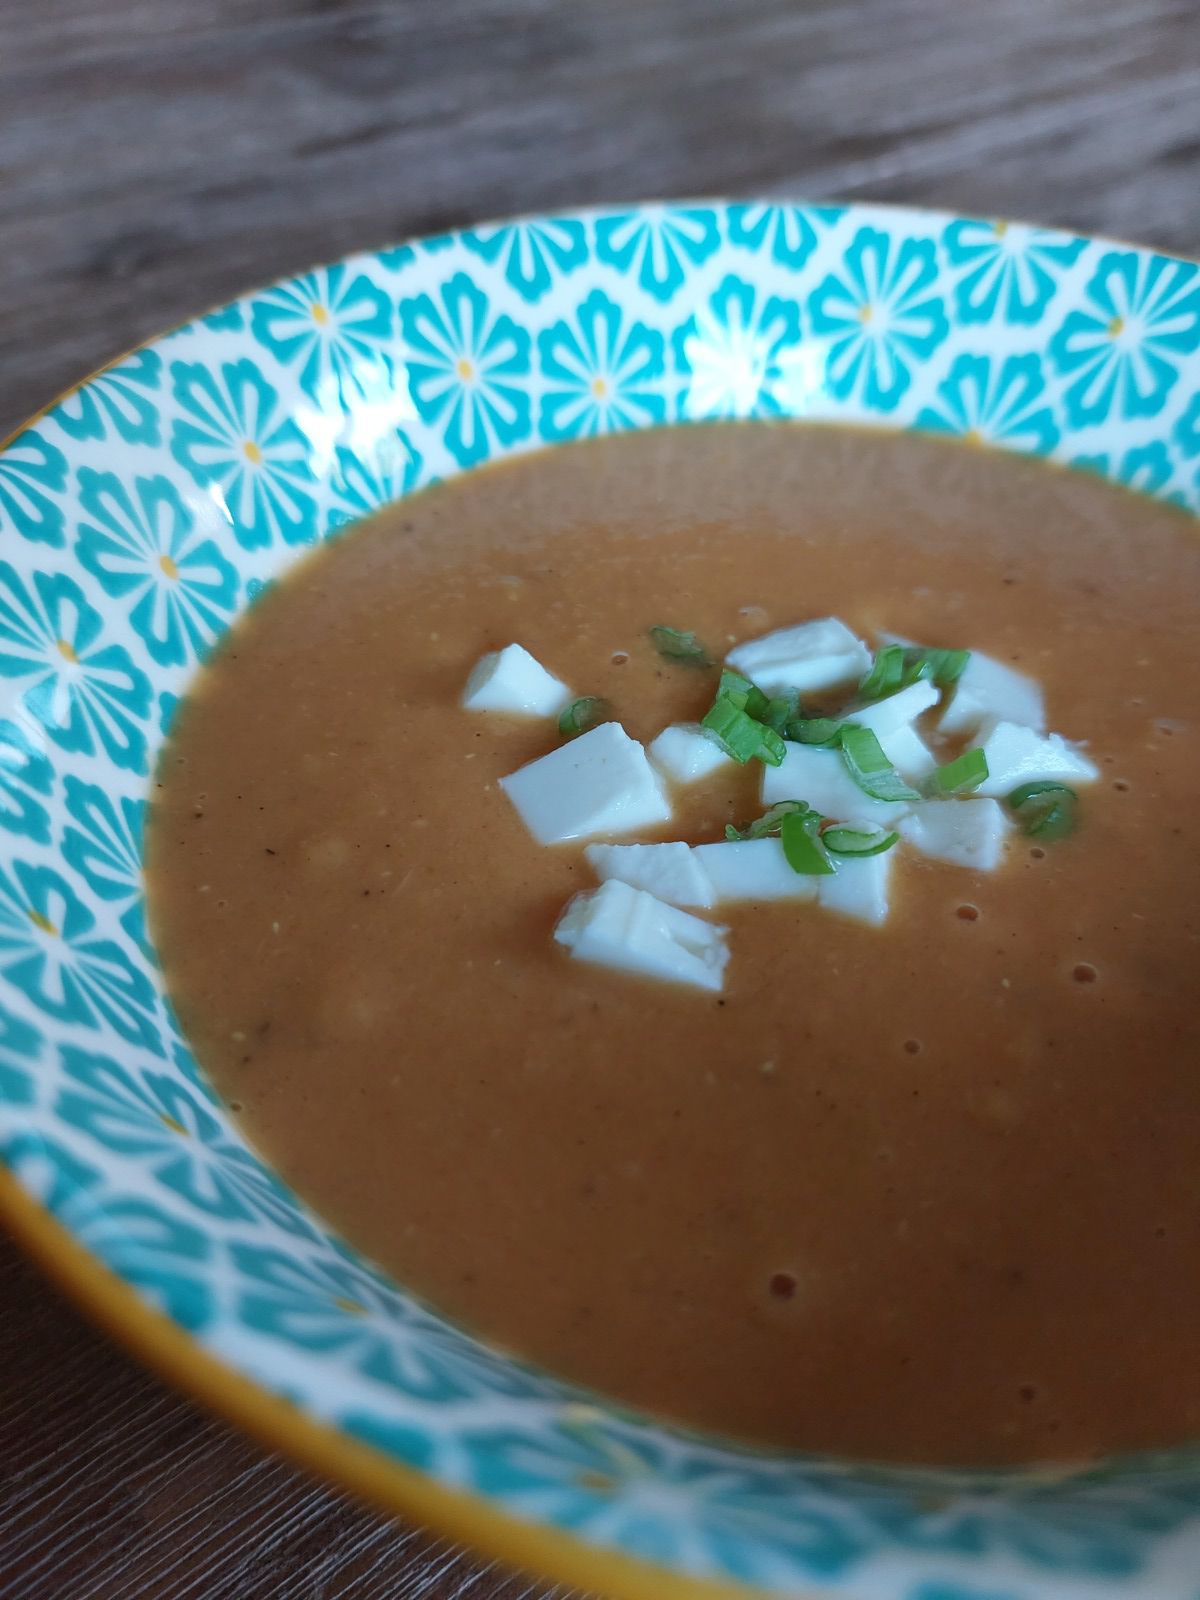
[(157, 156)]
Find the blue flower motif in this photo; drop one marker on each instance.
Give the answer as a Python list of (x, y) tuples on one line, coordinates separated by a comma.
[(85, 693), (161, 1255), (33, 472), (733, 354), (601, 373), (103, 842), (1146, 468), (20, 1049), (994, 402), (1121, 357), (677, 1506), (332, 326), (166, 711), (138, 538), (123, 397), (48, 950), (655, 241), (881, 316), (1187, 429), (26, 776), (533, 251), (324, 1302), (788, 231), (168, 1125), (1010, 270), (362, 482), (251, 457), (464, 366)]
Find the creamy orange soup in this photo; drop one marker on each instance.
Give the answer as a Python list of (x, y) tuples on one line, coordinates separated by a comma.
[(929, 1191)]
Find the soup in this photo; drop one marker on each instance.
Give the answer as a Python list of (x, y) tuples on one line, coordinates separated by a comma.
[(923, 1191)]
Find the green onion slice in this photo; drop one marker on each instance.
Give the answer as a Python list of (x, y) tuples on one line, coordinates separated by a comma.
[(841, 840), (943, 667), (736, 731), (781, 711), (743, 693), (814, 730), (677, 644), (771, 822), (1044, 809), (886, 674), (869, 766), (960, 776), (801, 838), (581, 715)]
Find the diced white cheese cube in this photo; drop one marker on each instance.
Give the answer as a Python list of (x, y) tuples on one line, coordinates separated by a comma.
[(684, 752), (1017, 755), (619, 926), (909, 754), (858, 889), (753, 869), (813, 656), (820, 777), (966, 832), (600, 782), (898, 710), (989, 689), (671, 872), (514, 681)]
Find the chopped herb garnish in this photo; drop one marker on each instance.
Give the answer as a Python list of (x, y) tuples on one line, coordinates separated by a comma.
[(960, 776), (736, 731), (800, 836), (814, 730), (744, 694), (886, 674), (581, 715), (841, 840), (897, 665), (677, 644), (1045, 810), (870, 768), (770, 823), (781, 711)]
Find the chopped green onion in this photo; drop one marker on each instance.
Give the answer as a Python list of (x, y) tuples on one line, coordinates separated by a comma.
[(869, 766), (677, 644), (581, 715), (1045, 810), (814, 730), (770, 823), (801, 839), (960, 776), (736, 731), (886, 674), (780, 711), (841, 840), (742, 692), (943, 667)]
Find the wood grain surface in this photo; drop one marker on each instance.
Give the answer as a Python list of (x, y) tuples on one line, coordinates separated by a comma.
[(157, 156)]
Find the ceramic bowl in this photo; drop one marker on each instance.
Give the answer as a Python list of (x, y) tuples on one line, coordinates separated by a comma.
[(146, 508)]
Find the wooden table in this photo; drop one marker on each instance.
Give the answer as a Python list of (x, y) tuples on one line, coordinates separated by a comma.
[(157, 156)]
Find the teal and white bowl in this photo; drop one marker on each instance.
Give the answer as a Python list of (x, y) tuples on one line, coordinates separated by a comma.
[(146, 508)]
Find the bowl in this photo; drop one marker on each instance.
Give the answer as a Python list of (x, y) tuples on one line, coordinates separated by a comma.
[(144, 509)]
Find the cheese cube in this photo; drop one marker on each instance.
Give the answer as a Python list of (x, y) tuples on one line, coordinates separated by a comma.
[(989, 689), (810, 657), (670, 872), (898, 710), (858, 889), (909, 754), (626, 928), (1017, 755), (752, 869), (600, 782), (820, 777), (684, 752), (966, 832), (512, 680)]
